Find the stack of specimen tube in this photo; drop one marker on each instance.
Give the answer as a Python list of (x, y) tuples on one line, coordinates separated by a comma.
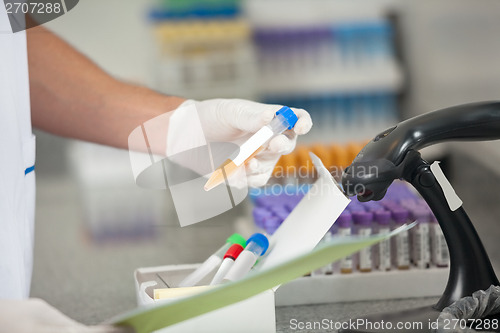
[(422, 247)]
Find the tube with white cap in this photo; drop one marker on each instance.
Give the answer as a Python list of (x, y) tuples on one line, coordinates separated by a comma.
[(257, 245)]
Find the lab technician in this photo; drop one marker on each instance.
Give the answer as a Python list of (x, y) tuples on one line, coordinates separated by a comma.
[(46, 83)]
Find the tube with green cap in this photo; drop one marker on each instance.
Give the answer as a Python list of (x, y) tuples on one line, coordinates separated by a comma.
[(212, 262)]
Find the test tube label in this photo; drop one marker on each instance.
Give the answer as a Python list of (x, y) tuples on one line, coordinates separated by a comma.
[(384, 251), (402, 250), (365, 255), (346, 263), (440, 255), (421, 246)]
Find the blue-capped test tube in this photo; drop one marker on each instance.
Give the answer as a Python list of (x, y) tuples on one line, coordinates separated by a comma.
[(257, 245), (212, 262), (285, 119)]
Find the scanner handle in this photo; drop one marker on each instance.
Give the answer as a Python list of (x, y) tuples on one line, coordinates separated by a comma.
[(389, 152), (468, 122)]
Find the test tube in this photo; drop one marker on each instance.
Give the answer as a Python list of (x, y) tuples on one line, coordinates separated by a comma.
[(289, 173), (327, 269), (271, 224), (338, 127), (400, 217), (383, 219), (440, 254), (212, 262), (232, 253), (344, 223), (260, 214), (263, 201), (409, 203), (355, 206), (364, 223), (372, 206), (421, 238), (339, 159), (271, 228), (293, 201), (280, 211), (285, 119), (257, 245), (305, 165), (323, 153)]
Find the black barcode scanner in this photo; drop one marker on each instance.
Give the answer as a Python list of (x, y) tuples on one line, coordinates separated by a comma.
[(393, 154)]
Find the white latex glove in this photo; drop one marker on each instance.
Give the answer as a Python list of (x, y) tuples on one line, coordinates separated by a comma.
[(235, 120), (36, 316)]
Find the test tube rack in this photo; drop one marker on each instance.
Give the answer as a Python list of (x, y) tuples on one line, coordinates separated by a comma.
[(427, 251), (331, 58)]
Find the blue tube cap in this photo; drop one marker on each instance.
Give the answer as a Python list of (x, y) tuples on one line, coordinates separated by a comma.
[(260, 240), (289, 115)]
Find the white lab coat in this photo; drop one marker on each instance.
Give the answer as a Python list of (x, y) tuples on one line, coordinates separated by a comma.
[(17, 159)]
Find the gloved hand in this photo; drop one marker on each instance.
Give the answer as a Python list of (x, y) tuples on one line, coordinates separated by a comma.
[(36, 316), (235, 120)]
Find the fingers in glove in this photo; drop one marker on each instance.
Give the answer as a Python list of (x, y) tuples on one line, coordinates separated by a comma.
[(261, 164), (247, 116), (268, 111), (282, 144), (260, 169), (304, 123), (252, 166), (258, 180), (238, 179)]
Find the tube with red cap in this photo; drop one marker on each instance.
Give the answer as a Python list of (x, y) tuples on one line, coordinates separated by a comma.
[(209, 265), (229, 258)]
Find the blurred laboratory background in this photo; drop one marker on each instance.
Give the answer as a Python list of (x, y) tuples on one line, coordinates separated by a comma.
[(357, 66)]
